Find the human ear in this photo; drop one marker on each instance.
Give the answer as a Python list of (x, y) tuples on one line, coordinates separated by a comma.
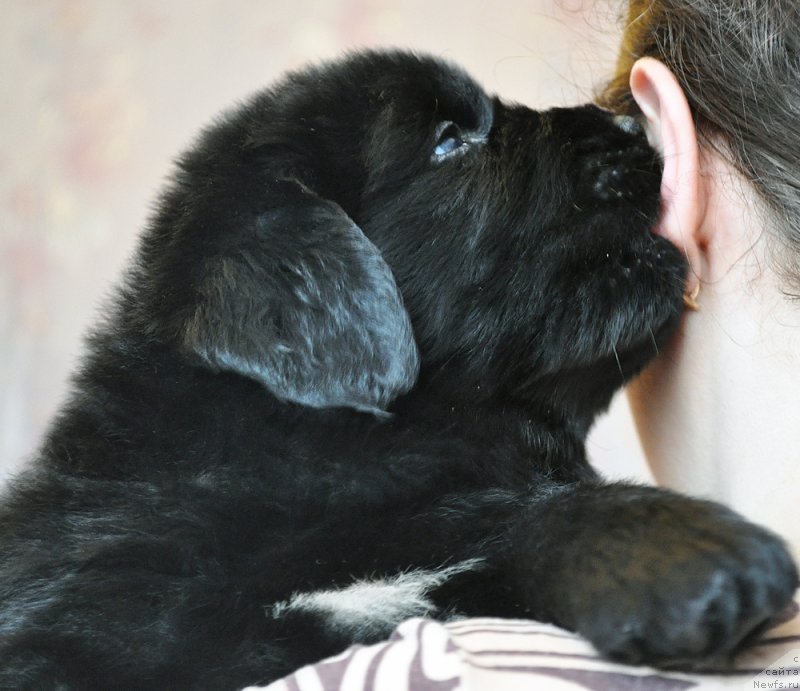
[(670, 128)]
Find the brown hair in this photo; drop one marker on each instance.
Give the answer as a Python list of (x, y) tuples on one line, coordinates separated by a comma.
[(738, 62)]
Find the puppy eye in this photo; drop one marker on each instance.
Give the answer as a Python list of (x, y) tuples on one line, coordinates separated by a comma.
[(449, 140)]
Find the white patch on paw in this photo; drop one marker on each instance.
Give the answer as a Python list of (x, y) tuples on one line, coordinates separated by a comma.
[(370, 609)]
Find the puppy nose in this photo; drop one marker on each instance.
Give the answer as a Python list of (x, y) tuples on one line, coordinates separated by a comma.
[(628, 124)]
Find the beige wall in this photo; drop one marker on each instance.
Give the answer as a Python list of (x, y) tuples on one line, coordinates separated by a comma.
[(99, 95)]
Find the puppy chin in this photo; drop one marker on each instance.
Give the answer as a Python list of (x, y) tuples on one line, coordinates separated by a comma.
[(638, 355)]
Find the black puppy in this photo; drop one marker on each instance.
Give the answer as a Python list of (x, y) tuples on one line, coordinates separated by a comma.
[(348, 380)]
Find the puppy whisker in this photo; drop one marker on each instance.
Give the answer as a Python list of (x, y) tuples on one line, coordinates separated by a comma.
[(653, 341), (616, 357)]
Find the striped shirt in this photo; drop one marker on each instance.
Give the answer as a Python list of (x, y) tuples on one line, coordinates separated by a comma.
[(498, 654)]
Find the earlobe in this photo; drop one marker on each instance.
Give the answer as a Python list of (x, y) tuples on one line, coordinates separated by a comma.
[(671, 130)]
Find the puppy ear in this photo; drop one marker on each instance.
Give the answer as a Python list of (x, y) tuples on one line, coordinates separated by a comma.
[(307, 306)]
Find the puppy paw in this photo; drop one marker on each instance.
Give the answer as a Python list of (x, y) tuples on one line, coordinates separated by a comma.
[(696, 591)]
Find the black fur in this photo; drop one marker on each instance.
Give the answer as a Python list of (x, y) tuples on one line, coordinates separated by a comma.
[(366, 334)]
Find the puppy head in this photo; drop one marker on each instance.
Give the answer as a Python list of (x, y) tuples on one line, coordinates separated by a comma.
[(366, 215)]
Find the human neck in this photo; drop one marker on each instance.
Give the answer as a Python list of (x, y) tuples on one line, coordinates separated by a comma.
[(718, 412)]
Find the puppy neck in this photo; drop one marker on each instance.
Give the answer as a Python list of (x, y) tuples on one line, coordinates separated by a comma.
[(543, 435)]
